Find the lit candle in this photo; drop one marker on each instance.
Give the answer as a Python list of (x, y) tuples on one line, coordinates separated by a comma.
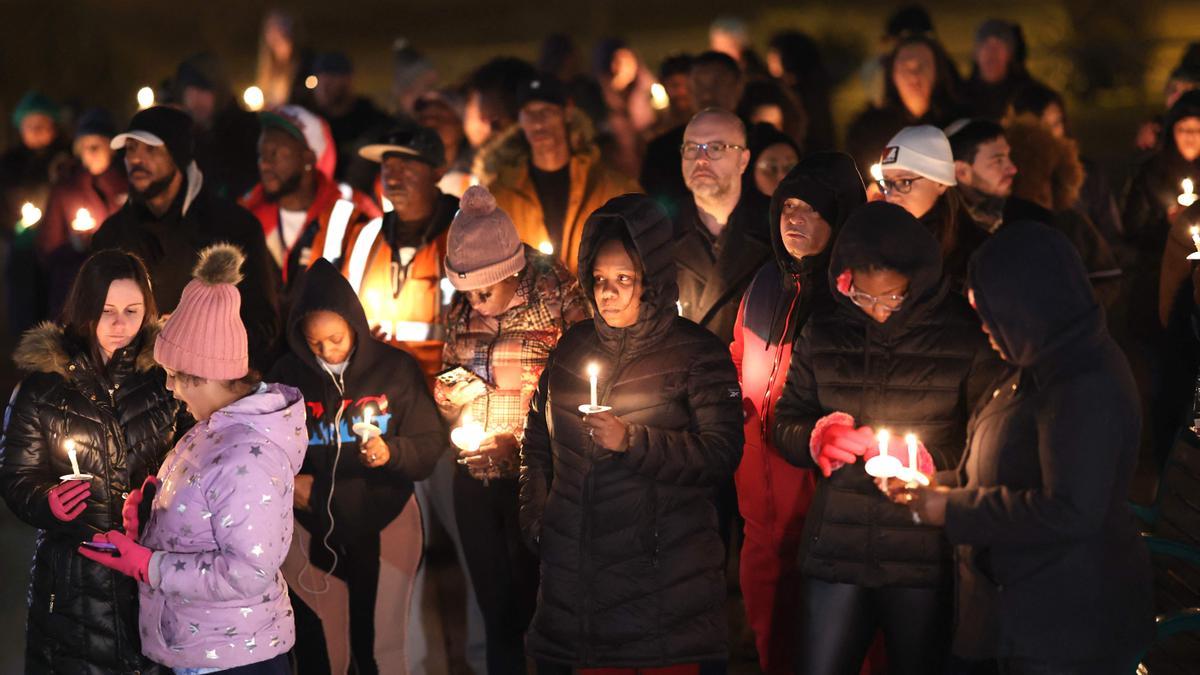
[(883, 465), (468, 435), (84, 222), (659, 99), (884, 437), (877, 172), (593, 371), (1188, 197), (253, 96), (546, 248), (30, 215), (368, 414), (70, 446), (145, 98), (911, 440)]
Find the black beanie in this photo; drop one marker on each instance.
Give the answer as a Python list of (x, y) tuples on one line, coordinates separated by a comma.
[(171, 126)]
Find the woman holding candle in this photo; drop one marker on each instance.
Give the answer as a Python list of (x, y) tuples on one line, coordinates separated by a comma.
[(900, 351), (373, 430), (511, 305), (1052, 575), (619, 504), (92, 387), (207, 561)]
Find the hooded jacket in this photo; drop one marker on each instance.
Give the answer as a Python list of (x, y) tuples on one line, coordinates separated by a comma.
[(632, 565), (1155, 186), (504, 169), (1050, 565), (772, 494), (170, 246), (82, 616), (220, 527), (380, 376), (921, 371)]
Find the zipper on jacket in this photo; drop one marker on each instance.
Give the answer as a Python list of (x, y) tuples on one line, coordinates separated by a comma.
[(52, 603), (766, 403)]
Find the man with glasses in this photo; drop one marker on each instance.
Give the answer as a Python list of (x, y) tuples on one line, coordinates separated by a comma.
[(722, 230)]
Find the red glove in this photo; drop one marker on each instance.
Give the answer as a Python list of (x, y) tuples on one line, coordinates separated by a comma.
[(69, 499), (132, 559), (129, 512), (835, 442)]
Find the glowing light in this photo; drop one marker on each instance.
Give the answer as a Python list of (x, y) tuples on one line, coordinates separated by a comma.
[(659, 99), (253, 96), (84, 222), (546, 248), (877, 172), (1189, 196), (145, 98), (310, 82), (30, 215), (71, 455)]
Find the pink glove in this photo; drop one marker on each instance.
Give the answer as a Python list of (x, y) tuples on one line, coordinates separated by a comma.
[(129, 512), (132, 559), (69, 499), (835, 442)]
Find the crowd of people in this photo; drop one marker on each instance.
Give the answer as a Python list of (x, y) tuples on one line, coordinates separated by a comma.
[(603, 330)]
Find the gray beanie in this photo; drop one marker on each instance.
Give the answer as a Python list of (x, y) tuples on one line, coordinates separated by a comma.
[(482, 247)]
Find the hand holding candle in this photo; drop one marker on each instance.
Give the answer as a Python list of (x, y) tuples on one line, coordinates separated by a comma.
[(1188, 196), (593, 372), (76, 474), (366, 429), (883, 465)]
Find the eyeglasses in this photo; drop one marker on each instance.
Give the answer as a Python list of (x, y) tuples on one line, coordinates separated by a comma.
[(902, 185), (775, 167), (888, 303), (714, 150)]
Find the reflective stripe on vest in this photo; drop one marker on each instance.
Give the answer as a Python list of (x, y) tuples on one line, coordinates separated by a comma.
[(360, 255), (339, 220)]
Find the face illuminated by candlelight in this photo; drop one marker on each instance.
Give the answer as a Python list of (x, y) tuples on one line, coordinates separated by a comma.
[(122, 316), (329, 337), (616, 285)]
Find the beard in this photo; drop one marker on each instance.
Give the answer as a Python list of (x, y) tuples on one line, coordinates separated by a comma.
[(152, 190), (286, 188)]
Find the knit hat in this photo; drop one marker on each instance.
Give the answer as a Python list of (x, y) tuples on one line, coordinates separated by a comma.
[(34, 102), (544, 88), (999, 29), (924, 150), (162, 125), (482, 247), (204, 336), (95, 122)]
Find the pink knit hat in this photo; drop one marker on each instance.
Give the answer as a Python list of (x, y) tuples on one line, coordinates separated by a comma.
[(204, 336), (482, 247)]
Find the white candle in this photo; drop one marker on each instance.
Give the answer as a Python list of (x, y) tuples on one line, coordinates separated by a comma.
[(70, 446), (911, 440), (546, 248), (368, 414), (593, 371), (1195, 231), (1189, 196), (469, 435), (883, 437), (84, 222)]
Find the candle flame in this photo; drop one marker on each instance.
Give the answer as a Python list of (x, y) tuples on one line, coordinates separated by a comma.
[(910, 438), (1194, 230), (83, 222), (310, 82), (659, 99), (593, 369), (145, 98), (69, 445), (1188, 186), (30, 214), (546, 248), (253, 96), (877, 172)]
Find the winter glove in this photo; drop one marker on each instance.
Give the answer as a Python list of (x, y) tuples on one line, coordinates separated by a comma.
[(132, 559), (69, 499), (835, 442), (129, 512)]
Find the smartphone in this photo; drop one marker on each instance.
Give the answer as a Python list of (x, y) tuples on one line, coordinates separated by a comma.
[(149, 490), (453, 376), (102, 546)]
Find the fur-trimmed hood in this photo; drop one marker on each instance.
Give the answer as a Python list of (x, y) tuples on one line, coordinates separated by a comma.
[(45, 348), (1049, 172), (509, 151)]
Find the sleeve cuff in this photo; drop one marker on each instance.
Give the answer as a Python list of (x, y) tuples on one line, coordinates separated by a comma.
[(814, 439), (153, 577)]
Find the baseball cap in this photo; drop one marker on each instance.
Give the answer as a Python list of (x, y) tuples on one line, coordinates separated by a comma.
[(414, 142)]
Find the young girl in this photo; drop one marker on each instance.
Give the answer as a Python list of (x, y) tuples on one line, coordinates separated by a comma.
[(89, 376), (212, 596)]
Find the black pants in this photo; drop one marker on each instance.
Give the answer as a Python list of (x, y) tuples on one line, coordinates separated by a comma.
[(358, 566), (503, 571), (838, 622), (276, 666)]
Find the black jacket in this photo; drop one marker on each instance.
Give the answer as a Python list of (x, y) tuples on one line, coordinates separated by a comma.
[(921, 371), (83, 617), (383, 377), (170, 246), (632, 565), (714, 274), (1050, 565)]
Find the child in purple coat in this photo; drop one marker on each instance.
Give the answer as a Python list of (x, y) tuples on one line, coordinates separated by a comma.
[(212, 596)]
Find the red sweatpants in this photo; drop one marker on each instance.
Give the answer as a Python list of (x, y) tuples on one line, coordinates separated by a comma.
[(769, 579)]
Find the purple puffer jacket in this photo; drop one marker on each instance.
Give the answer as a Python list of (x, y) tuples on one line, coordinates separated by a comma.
[(221, 526)]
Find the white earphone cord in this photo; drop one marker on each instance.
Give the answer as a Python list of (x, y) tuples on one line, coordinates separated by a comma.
[(338, 382)]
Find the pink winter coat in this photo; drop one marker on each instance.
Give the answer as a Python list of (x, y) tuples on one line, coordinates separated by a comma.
[(221, 526)]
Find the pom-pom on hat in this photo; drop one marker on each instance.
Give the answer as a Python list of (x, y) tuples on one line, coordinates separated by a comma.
[(482, 247), (205, 336)]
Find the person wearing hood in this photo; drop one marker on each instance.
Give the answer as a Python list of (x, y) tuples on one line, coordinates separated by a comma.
[(353, 486), (92, 395), (211, 594), (304, 214), (546, 171), (722, 229), (84, 197), (225, 132), (172, 214), (619, 501), (511, 305), (772, 156), (808, 209), (1052, 574), (900, 351)]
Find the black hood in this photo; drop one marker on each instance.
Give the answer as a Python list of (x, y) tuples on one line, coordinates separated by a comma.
[(1187, 105), (650, 229), (1032, 291), (325, 288), (885, 236), (830, 183)]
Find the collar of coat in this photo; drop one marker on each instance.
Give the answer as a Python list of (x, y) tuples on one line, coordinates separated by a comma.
[(46, 348), (506, 156)]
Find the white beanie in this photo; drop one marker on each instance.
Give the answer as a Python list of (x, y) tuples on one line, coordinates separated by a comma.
[(924, 150)]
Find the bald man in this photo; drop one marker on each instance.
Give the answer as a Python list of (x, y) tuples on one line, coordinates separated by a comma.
[(722, 233)]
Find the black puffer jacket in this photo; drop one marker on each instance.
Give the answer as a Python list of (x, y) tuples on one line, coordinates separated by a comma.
[(921, 371), (1050, 564), (632, 565), (83, 617)]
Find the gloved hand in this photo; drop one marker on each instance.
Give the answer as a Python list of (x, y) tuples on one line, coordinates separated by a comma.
[(69, 499), (835, 442), (129, 512), (133, 559)]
